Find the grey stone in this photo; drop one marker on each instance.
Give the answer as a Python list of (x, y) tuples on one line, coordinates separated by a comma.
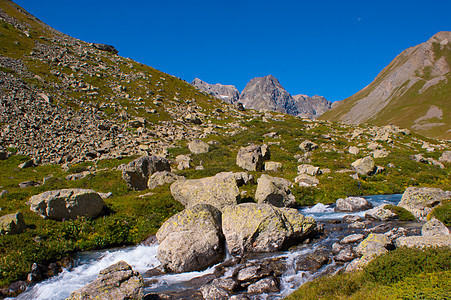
[(446, 157), (273, 166), (275, 191), (198, 147), (250, 158), (364, 166), (434, 227), (161, 178), (380, 214), (308, 146), (305, 180), (352, 204), (12, 224), (309, 169), (136, 173), (420, 201)]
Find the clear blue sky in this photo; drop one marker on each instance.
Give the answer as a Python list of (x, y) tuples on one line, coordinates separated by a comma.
[(328, 48)]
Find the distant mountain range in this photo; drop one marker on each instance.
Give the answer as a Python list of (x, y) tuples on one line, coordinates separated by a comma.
[(266, 93), (413, 91)]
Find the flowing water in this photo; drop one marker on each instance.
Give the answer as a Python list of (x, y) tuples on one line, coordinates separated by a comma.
[(142, 258)]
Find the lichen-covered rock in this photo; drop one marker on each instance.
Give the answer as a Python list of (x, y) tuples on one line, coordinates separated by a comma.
[(275, 191), (374, 245), (352, 204), (424, 241), (183, 162), (446, 157), (198, 147), (421, 201), (273, 166), (262, 227), (12, 224), (137, 172), (191, 240), (219, 190), (308, 169), (380, 214), (250, 158), (67, 204), (364, 166), (118, 281), (161, 178), (434, 227)]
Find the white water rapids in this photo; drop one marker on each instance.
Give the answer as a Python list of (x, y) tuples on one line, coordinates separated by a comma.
[(142, 258)]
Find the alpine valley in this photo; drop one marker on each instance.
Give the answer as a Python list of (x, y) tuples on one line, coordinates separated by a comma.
[(119, 181)]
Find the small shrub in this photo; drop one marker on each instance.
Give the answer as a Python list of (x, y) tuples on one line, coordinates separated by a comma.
[(402, 213), (442, 213)]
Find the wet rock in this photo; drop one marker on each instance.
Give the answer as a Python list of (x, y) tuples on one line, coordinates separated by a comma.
[(275, 191), (434, 228), (262, 227), (345, 255), (312, 262), (250, 158), (67, 204), (351, 219), (162, 178), (12, 224), (198, 147), (357, 225), (219, 190), (14, 289), (191, 240), (265, 285), (118, 281), (353, 238), (136, 173), (214, 292), (364, 166), (380, 214), (352, 204), (421, 201)]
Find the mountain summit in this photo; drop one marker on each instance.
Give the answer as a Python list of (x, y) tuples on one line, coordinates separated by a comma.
[(413, 91)]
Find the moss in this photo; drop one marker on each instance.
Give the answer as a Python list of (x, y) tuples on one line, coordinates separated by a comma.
[(442, 213), (402, 213)]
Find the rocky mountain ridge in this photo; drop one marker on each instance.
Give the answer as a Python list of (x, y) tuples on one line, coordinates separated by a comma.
[(266, 93), (413, 91)]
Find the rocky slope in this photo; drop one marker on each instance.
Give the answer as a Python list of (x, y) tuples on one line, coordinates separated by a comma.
[(413, 91), (266, 93), (227, 93)]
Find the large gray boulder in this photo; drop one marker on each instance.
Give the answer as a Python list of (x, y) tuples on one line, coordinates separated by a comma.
[(364, 166), (352, 204), (250, 158), (137, 172), (198, 147), (118, 281), (219, 190), (67, 204), (162, 178), (252, 227), (191, 240), (421, 201), (275, 191), (12, 224), (434, 227), (446, 157)]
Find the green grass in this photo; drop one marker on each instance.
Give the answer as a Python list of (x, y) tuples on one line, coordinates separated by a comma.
[(402, 213), (442, 213)]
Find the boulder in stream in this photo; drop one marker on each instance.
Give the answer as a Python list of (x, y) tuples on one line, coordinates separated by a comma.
[(421, 201)]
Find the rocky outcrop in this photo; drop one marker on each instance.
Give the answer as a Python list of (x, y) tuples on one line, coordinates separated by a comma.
[(105, 47), (352, 204), (421, 201), (275, 191), (311, 107), (227, 93), (251, 227), (136, 173), (364, 166), (219, 190), (67, 204), (118, 281), (12, 224), (191, 240), (251, 158)]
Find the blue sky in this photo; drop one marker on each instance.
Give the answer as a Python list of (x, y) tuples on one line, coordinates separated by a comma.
[(328, 48)]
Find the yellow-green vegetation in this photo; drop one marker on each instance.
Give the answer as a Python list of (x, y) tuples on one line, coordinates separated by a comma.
[(405, 273), (402, 213), (442, 212)]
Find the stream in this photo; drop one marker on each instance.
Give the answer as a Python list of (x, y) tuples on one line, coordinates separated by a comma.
[(143, 258)]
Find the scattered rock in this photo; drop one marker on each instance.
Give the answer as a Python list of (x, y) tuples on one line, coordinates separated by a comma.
[(67, 204), (352, 204), (250, 158), (351, 219), (446, 157), (309, 169), (77, 176), (345, 255), (27, 164), (183, 162), (308, 146), (364, 166), (118, 281), (272, 166), (265, 285), (105, 47), (380, 153), (421, 201), (371, 247), (198, 147), (354, 150), (191, 240), (380, 214), (12, 224), (275, 191), (305, 180), (26, 184), (353, 238), (136, 173), (219, 190)]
